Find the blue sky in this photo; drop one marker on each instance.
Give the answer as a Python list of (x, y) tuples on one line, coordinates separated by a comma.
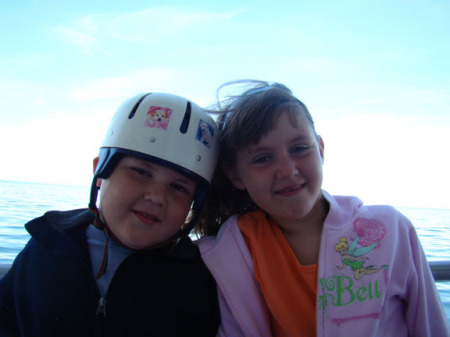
[(374, 74)]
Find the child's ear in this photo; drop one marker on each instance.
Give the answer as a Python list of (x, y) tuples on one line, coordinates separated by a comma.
[(321, 147), (95, 163), (234, 177)]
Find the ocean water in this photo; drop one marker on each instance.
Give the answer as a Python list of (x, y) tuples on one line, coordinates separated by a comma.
[(21, 202)]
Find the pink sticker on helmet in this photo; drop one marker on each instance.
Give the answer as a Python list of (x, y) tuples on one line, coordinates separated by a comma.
[(158, 117)]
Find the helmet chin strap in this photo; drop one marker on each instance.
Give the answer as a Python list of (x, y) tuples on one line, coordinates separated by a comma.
[(98, 223)]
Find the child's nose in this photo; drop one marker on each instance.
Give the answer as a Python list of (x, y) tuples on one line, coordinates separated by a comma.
[(286, 167), (155, 194)]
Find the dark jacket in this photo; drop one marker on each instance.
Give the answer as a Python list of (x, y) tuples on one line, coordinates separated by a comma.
[(50, 289)]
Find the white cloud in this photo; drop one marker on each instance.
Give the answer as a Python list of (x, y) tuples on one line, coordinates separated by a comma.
[(85, 41), (123, 86), (153, 24), (147, 26), (54, 148), (385, 159)]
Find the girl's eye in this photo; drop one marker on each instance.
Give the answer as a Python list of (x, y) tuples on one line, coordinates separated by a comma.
[(261, 159), (299, 148)]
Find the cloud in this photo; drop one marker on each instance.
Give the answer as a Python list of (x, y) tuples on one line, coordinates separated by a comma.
[(123, 86), (390, 159), (20, 99), (56, 148), (153, 24), (85, 41), (178, 80), (372, 101), (90, 33)]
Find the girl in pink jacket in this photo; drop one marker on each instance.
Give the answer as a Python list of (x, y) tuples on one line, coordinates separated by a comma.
[(292, 260)]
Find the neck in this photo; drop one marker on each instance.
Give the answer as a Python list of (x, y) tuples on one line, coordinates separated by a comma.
[(304, 236), (310, 224)]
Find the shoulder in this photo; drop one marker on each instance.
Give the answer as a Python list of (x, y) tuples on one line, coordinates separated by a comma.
[(387, 215), (59, 231), (59, 224), (229, 231), (345, 208), (227, 248), (49, 243), (66, 220), (62, 220)]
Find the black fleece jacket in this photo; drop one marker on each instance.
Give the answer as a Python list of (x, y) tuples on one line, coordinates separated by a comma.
[(50, 289)]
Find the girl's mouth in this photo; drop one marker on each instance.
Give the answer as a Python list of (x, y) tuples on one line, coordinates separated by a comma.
[(290, 190)]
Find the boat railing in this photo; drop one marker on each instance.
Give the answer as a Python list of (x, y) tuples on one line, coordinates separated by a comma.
[(440, 270)]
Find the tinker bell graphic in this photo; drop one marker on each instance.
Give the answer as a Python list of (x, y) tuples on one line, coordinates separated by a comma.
[(370, 232)]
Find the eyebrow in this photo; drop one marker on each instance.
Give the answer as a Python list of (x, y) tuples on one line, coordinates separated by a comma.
[(185, 180), (179, 178), (151, 166), (252, 149), (146, 163), (258, 147)]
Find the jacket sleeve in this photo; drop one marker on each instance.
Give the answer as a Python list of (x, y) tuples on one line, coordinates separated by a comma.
[(425, 314), (242, 308), (8, 319)]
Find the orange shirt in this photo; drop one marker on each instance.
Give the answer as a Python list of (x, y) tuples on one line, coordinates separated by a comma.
[(288, 287)]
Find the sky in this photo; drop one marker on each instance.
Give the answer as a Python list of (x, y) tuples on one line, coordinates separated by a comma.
[(375, 75)]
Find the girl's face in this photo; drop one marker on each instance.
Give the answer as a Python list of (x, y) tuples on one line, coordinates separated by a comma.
[(143, 203), (283, 172)]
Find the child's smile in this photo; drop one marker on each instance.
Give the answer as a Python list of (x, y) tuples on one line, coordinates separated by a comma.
[(146, 218), (145, 204), (290, 190), (283, 171)]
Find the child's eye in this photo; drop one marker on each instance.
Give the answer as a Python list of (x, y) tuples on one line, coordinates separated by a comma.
[(299, 148), (141, 171), (261, 159), (180, 188)]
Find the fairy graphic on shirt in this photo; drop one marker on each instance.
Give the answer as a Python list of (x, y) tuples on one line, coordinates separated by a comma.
[(369, 235)]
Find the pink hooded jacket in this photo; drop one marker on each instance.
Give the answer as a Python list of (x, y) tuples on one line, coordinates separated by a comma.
[(400, 299)]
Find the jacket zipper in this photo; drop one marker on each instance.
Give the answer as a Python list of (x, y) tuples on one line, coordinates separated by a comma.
[(101, 309)]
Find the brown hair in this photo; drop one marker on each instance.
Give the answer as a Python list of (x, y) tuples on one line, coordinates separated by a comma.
[(243, 119)]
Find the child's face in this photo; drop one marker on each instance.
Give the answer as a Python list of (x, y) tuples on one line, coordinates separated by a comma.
[(283, 172), (144, 203)]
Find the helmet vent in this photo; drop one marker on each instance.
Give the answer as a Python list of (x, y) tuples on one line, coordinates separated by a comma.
[(136, 106), (187, 117)]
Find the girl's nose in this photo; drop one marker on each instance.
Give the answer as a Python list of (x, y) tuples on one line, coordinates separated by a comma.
[(286, 167)]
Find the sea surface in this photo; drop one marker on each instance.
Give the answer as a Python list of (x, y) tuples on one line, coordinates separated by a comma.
[(21, 202)]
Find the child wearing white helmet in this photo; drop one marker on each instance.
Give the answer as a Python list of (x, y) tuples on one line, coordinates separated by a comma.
[(128, 266)]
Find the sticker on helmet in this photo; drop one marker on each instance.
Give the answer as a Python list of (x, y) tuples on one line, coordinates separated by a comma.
[(205, 133), (158, 117)]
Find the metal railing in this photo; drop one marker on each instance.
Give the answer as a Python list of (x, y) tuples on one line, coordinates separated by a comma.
[(440, 270)]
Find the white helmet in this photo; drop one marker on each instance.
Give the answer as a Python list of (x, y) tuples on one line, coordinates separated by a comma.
[(166, 129)]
